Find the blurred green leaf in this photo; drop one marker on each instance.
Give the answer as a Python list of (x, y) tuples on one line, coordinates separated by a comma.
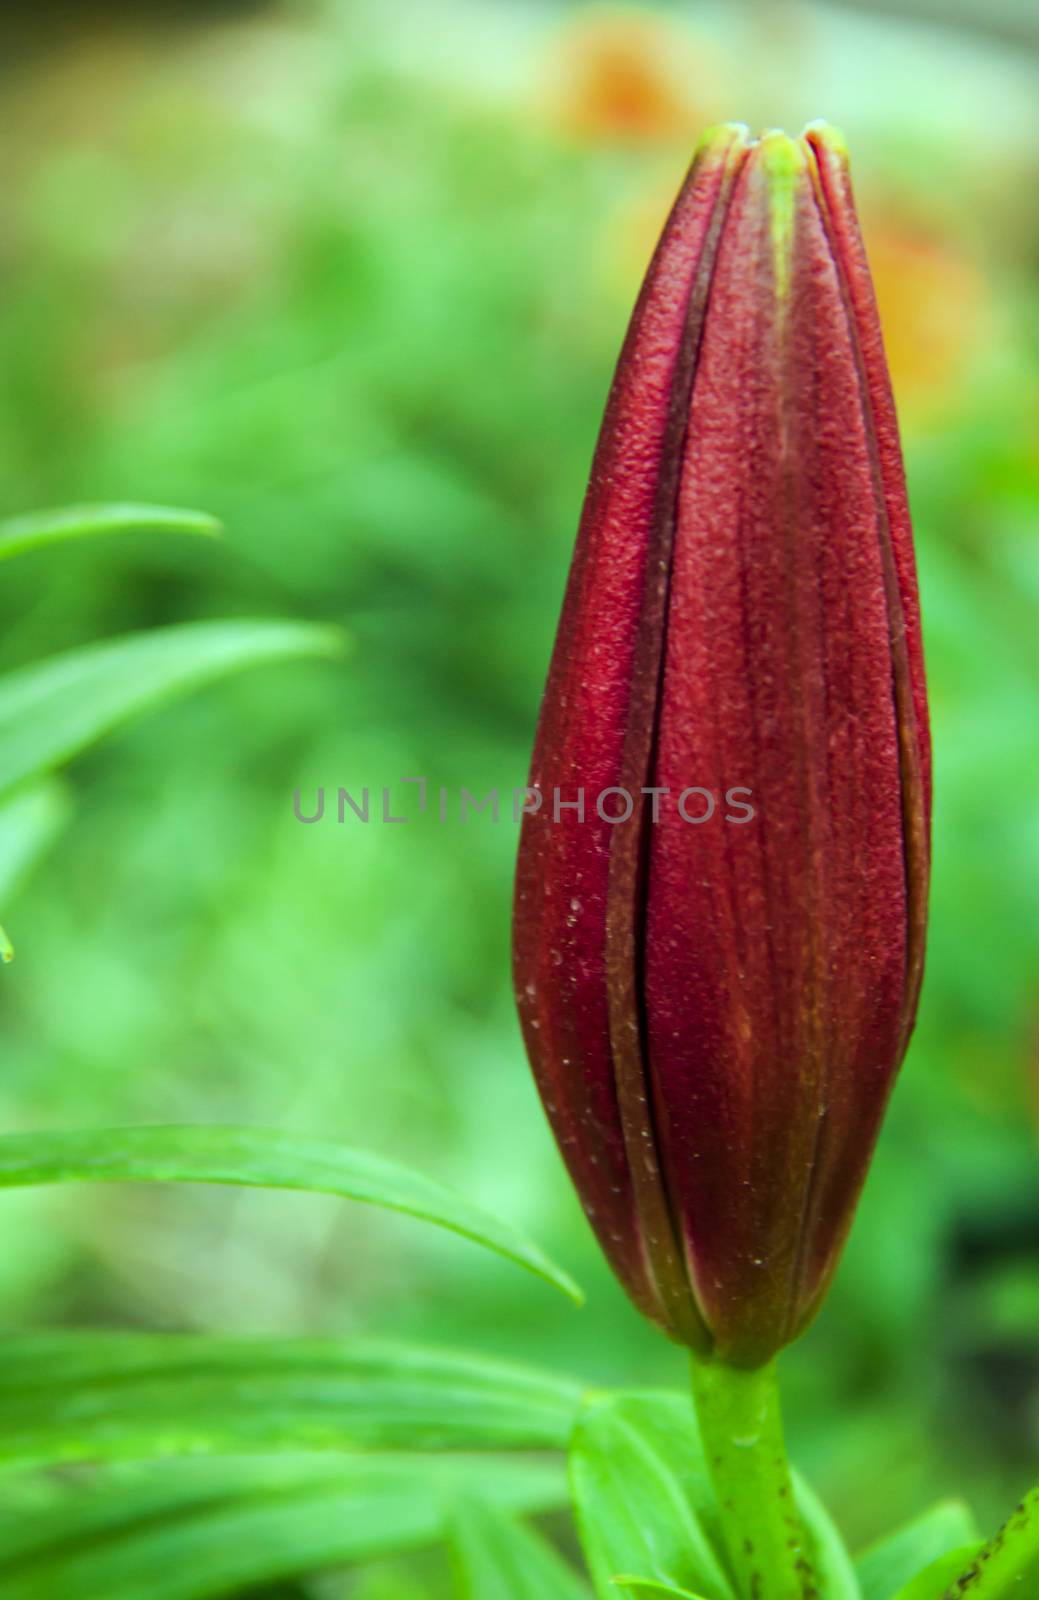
[(646, 1509), (497, 1558), (206, 1529), (30, 818), (639, 1586), (638, 1491), (831, 1564), (259, 1158), (933, 1582), (890, 1563), (115, 1396), (52, 710), (18, 534), (1002, 1568)]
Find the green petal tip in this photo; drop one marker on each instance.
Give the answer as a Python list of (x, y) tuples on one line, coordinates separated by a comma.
[(721, 137), (829, 137)]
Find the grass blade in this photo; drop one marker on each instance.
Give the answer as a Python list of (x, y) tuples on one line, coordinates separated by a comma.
[(641, 1495), (890, 1564), (200, 1530), (496, 1557), (18, 534), (52, 710), (260, 1158), (30, 819), (115, 1396)]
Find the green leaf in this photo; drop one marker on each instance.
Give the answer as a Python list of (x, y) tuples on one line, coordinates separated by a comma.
[(641, 1495), (199, 1529), (124, 1396), (831, 1564), (1005, 1565), (650, 1586), (932, 1583), (646, 1510), (887, 1565), (18, 534), (260, 1158), (52, 710), (30, 818), (497, 1558)]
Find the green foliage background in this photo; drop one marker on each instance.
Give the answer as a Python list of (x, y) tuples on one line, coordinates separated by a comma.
[(352, 278)]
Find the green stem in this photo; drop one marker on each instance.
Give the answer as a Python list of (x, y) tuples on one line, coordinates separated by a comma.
[(743, 1442), (1001, 1566)]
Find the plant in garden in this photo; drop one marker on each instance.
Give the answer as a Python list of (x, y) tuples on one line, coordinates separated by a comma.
[(53, 709), (715, 1009), (715, 1006)]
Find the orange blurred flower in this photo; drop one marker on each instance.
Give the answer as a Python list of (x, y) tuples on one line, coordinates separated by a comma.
[(620, 76), (934, 310)]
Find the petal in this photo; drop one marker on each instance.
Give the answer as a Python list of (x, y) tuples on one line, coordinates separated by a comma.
[(776, 950), (596, 712)]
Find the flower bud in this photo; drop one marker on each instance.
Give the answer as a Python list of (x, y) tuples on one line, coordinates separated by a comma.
[(715, 1009)]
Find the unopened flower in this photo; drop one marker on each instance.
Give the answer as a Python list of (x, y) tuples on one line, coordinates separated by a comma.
[(715, 1013)]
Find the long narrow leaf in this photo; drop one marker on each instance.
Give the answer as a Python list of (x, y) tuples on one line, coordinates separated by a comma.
[(190, 1534), (259, 1158), (640, 1489), (52, 710), (30, 819), (888, 1565), (18, 534), (832, 1565), (111, 1397), (1004, 1567), (650, 1586), (646, 1509), (942, 1579), (497, 1558)]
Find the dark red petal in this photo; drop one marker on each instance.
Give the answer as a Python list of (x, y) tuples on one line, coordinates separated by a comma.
[(601, 682), (837, 203), (776, 950)]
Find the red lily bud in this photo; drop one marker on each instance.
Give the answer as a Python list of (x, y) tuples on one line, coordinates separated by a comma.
[(715, 1011)]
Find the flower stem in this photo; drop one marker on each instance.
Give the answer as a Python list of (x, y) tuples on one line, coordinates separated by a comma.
[(743, 1442), (1010, 1557)]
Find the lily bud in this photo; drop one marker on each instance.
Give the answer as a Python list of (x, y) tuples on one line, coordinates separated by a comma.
[(715, 1010)]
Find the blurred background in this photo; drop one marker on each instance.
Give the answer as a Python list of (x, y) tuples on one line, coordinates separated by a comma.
[(352, 276)]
